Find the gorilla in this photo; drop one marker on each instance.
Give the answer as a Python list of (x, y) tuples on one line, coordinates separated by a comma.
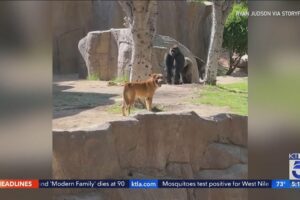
[(187, 70), (201, 67), (174, 59)]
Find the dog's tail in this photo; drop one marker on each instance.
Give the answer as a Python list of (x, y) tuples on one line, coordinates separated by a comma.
[(126, 99), (125, 94)]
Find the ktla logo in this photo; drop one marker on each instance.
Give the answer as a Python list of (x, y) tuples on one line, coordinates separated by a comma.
[(294, 166)]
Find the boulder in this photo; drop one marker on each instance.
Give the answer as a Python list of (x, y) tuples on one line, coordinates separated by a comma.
[(107, 54), (99, 51), (238, 171), (222, 156)]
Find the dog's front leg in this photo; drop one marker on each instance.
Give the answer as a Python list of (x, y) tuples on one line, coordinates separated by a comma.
[(149, 103)]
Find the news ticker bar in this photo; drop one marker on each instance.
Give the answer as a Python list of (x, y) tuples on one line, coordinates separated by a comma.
[(148, 184)]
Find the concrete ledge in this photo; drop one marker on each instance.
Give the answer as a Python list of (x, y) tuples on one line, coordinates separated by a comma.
[(154, 145), (147, 144)]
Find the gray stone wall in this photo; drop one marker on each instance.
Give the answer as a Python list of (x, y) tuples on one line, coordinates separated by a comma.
[(165, 145), (72, 20)]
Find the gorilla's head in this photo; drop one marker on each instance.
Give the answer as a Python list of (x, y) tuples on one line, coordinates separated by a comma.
[(174, 50)]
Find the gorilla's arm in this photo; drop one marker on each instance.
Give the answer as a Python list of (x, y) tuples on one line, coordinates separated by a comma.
[(169, 65), (169, 61), (179, 65)]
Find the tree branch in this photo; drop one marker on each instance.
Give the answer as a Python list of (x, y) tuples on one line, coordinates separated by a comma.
[(151, 17), (226, 8), (127, 8), (150, 8)]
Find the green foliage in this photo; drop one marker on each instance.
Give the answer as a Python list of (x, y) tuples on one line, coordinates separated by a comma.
[(234, 96), (122, 79), (241, 87), (93, 77), (235, 37), (118, 81), (117, 109), (221, 71)]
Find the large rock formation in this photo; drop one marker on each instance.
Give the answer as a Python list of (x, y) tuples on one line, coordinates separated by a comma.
[(71, 21), (100, 53), (164, 145), (107, 54), (186, 22)]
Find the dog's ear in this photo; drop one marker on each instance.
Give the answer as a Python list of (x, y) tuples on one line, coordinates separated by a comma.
[(154, 76)]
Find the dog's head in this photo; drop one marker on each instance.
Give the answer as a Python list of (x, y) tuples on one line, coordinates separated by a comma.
[(158, 79)]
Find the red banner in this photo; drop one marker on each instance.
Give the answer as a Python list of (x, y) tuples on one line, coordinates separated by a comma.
[(18, 184)]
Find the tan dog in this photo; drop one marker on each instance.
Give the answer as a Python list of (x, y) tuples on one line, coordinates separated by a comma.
[(144, 89)]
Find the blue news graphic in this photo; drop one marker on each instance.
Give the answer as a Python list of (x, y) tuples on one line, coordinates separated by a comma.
[(143, 184), (297, 165), (294, 156), (295, 184), (214, 183), (281, 184), (83, 183), (294, 166), (285, 184), (170, 183)]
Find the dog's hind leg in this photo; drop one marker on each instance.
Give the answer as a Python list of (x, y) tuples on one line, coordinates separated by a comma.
[(123, 108), (128, 109)]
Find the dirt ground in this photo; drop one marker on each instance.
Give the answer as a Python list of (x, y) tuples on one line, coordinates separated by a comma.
[(83, 103)]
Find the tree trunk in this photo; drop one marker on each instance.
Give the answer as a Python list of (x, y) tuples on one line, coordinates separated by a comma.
[(233, 64), (221, 9), (141, 19)]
